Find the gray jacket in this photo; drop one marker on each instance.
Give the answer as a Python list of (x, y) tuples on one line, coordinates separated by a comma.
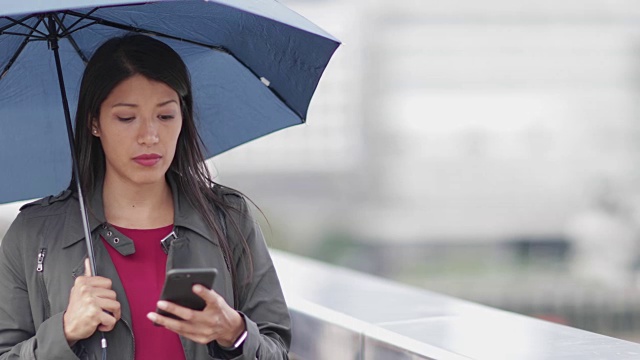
[(43, 252)]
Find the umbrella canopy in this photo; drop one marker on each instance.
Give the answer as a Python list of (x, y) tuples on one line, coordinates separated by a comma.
[(254, 67)]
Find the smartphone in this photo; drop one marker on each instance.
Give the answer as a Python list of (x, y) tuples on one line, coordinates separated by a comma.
[(178, 288)]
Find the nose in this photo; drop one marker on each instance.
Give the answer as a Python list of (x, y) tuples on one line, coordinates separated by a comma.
[(148, 132)]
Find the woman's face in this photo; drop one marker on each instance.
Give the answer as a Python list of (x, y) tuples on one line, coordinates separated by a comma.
[(138, 127)]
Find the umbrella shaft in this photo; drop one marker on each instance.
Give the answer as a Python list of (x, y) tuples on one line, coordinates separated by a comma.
[(53, 43)]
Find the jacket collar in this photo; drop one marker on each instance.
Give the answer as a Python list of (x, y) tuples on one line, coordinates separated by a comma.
[(185, 214), (73, 218)]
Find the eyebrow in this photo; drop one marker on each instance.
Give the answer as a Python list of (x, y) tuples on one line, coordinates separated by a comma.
[(135, 105)]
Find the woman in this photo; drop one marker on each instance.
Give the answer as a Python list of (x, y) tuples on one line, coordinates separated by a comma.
[(145, 178)]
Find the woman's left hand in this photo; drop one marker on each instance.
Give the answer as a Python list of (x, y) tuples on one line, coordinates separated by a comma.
[(217, 321)]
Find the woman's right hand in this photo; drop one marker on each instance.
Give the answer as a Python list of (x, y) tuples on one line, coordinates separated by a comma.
[(91, 305)]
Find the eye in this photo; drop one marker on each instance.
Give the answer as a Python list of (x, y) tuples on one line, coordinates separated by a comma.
[(166, 117), (125, 119)]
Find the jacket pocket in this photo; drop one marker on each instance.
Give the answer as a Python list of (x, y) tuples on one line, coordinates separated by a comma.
[(43, 287)]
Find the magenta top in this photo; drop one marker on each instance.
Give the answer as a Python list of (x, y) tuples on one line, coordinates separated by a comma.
[(142, 274)]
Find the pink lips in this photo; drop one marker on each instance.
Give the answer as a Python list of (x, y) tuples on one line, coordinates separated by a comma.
[(147, 159)]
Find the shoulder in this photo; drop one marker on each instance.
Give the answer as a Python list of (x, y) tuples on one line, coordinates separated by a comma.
[(47, 206), (33, 217), (230, 197), (235, 207)]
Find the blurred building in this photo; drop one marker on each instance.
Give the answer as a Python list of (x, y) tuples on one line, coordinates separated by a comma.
[(458, 121), (454, 144)]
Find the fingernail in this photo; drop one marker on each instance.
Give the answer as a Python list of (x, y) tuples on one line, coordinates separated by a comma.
[(162, 304), (153, 317), (197, 288)]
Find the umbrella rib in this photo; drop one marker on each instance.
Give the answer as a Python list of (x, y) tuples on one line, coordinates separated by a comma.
[(80, 19), (17, 53), (29, 36), (70, 38), (7, 27), (120, 26), (21, 22), (69, 32)]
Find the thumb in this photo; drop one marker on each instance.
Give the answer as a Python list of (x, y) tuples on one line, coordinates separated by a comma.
[(87, 267)]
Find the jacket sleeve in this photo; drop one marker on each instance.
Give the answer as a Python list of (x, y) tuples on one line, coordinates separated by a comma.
[(261, 301), (19, 339)]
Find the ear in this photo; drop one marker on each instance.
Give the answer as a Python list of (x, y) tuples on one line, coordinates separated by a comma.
[(95, 128)]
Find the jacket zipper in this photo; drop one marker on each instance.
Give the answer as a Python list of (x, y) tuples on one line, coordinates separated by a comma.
[(43, 287), (133, 339)]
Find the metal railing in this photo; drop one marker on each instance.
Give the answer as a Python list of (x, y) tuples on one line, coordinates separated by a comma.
[(341, 314)]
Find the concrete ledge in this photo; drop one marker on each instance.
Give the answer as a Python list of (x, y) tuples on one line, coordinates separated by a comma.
[(342, 314)]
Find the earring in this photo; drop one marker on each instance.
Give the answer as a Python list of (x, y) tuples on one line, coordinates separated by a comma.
[(95, 131)]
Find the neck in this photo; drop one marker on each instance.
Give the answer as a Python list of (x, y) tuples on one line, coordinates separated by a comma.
[(137, 206)]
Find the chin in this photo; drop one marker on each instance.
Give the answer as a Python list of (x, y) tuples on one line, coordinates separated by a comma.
[(149, 178)]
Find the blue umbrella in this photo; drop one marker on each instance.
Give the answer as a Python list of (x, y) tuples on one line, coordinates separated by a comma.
[(233, 49), (254, 67)]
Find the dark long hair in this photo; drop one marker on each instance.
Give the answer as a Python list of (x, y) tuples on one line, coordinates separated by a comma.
[(115, 61)]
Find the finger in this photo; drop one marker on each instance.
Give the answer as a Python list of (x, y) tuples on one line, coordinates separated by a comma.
[(103, 293), (107, 322), (88, 293), (209, 296), (177, 310), (113, 307), (105, 328), (87, 267), (94, 281), (185, 329), (174, 325)]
